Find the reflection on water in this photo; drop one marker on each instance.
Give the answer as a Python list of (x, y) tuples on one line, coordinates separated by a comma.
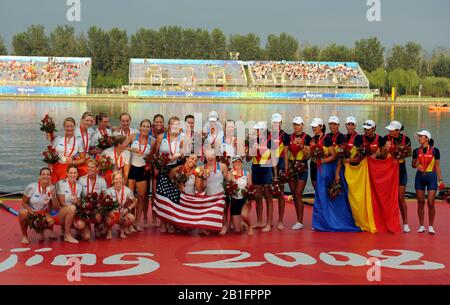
[(21, 141)]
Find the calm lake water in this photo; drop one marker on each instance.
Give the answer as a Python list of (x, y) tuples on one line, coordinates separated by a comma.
[(22, 143)]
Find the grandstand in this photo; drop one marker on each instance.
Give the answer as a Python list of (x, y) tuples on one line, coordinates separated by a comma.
[(305, 74), (247, 79), (160, 72), (44, 75)]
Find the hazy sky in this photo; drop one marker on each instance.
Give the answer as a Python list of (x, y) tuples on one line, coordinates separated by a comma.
[(313, 21)]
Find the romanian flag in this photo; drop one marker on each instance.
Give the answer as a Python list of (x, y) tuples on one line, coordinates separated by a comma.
[(373, 194)]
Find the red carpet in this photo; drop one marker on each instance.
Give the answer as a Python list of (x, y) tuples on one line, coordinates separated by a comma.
[(279, 257)]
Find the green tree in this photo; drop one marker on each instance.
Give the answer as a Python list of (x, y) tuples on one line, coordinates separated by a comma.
[(3, 50), (248, 46), (335, 52), (170, 41), (98, 48), (369, 53), (145, 43), (397, 79), (282, 47), (63, 41), (436, 86), (118, 47), (218, 44), (310, 53), (377, 78), (32, 42), (405, 57), (411, 81), (441, 67)]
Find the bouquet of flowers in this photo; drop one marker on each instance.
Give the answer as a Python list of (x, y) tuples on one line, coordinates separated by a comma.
[(334, 189), (249, 192), (88, 207), (444, 192), (285, 176), (50, 155), (344, 151), (105, 163), (157, 161), (317, 153), (180, 178), (276, 191), (106, 204), (37, 222), (105, 142), (231, 188), (365, 149), (298, 167), (401, 151), (224, 159), (49, 127)]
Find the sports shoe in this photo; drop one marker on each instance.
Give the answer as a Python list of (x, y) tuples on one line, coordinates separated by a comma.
[(406, 229), (431, 230), (421, 229), (297, 226)]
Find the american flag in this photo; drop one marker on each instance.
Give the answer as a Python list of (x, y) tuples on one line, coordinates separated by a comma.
[(188, 211)]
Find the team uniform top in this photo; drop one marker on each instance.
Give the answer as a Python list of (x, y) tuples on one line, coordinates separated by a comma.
[(99, 185), (400, 140), (119, 160), (354, 141), (67, 148), (85, 138), (427, 157), (324, 140), (241, 182), (228, 148), (283, 141), (39, 199), (121, 132), (173, 148), (99, 134), (63, 188), (214, 182), (295, 152), (145, 147), (120, 196)]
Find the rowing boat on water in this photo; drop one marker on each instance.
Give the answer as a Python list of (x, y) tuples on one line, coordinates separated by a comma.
[(438, 108)]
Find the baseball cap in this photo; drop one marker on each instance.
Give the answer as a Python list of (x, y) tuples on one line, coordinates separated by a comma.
[(394, 125), (260, 125), (236, 158), (276, 118), (213, 116), (297, 120), (350, 119), (424, 133), (333, 119), (316, 122), (369, 124)]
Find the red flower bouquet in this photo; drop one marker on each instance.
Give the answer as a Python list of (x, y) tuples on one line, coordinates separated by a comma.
[(106, 204), (105, 163), (50, 155), (180, 178), (105, 142), (37, 222), (334, 189), (88, 207), (231, 188), (49, 127), (317, 153)]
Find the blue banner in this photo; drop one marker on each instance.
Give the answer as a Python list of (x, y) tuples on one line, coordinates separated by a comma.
[(43, 90), (251, 95)]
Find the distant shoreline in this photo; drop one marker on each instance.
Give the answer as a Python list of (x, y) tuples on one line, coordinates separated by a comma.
[(130, 99)]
